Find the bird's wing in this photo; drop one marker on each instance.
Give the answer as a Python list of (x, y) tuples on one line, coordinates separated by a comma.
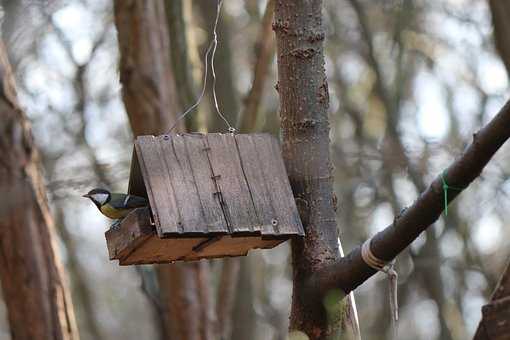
[(122, 201)]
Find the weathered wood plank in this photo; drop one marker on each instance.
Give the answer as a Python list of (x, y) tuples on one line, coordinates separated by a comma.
[(233, 246), (132, 233), (253, 170), (181, 178), (201, 170), (159, 188), (282, 198), (225, 162), (501, 293), (157, 250), (136, 242), (496, 319)]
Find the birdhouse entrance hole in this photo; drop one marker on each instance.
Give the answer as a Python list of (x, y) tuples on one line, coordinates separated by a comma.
[(211, 195)]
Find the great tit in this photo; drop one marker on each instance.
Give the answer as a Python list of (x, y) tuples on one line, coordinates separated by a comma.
[(113, 205)]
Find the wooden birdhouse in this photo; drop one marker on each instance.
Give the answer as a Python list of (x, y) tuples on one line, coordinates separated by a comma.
[(211, 195)]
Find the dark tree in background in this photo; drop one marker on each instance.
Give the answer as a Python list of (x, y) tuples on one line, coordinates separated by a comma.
[(150, 97), (34, 285)]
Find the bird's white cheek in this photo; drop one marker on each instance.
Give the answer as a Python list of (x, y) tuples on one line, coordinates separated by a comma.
[(100, 198)]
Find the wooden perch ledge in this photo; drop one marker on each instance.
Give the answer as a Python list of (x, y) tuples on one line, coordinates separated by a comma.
[(351, 271)]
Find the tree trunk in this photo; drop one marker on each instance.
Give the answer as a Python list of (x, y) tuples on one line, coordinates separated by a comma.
[(185, 296), (226, 297), (304, 101), (33, 282), (500, 9), (178, 13), (244, 317), (149, 94), (148, 88)]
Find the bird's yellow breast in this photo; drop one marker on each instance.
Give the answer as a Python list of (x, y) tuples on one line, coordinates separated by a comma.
[(113, 213)]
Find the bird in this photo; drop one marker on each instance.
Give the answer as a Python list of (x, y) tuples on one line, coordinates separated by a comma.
[(115, 205)]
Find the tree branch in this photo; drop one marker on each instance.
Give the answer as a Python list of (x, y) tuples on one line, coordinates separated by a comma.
[(351, 271)]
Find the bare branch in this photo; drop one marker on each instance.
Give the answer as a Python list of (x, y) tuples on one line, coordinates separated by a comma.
[(349, 272)]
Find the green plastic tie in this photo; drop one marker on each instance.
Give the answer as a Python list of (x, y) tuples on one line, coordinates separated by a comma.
[(445, 191)]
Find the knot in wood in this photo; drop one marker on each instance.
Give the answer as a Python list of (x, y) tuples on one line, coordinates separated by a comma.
[(303, 53), (281, 25), (314, 37), (323, 93)]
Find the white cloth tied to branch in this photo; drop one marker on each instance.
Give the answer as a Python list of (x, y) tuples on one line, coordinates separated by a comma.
[(388, 268)]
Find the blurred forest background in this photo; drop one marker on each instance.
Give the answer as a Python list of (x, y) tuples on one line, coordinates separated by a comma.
[(409, 81)]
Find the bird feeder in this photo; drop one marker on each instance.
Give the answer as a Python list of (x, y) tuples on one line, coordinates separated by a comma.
[(211, 195)]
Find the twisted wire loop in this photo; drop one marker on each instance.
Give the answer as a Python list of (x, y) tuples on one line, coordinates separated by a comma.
[(212, 47), (388, 268)]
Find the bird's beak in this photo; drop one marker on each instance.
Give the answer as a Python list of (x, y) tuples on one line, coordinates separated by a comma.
[(86, 196)]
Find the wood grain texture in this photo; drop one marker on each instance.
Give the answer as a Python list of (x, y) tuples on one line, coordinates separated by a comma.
[(496, 319), (136, 242), (196, 149), (180, 175), (160, 192), (258, 186), (226, 163), (135, 230), (183, 174), (495, 322), (277, 181), (216, 183)]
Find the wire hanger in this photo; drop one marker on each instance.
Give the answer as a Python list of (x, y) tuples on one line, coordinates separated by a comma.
[(212, 47)]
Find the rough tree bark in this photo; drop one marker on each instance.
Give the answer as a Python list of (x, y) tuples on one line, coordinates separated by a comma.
[(304, 101), (149, 95), (148, 88), (495, 314), (33, 281)]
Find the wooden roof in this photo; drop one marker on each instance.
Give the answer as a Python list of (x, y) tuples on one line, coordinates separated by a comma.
[(215, 183)]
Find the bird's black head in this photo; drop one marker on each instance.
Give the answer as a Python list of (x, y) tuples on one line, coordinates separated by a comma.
[(98, 196)]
